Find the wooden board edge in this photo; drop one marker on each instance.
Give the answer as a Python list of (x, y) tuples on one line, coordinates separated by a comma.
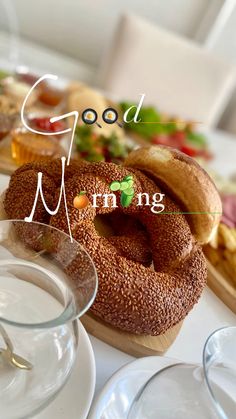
[(221, 287), (135, 345)]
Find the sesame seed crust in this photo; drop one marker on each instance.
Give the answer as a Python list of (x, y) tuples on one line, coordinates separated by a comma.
[(131, 295)]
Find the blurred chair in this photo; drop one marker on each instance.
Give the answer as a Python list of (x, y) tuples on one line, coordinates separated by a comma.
[(177, 76)]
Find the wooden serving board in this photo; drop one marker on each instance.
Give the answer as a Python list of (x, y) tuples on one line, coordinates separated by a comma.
[(134, 345), (222, 286), (7, 165)]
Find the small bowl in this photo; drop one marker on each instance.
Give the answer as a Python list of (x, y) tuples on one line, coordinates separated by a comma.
[(28, 147)]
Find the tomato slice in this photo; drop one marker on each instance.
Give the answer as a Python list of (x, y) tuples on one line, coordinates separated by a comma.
[(175, 140), (44, 124), (192, 152)]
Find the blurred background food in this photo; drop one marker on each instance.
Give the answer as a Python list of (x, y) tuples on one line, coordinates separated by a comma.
[(99, 141)]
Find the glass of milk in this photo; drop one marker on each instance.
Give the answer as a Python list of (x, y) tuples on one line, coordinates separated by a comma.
[(47, 282)]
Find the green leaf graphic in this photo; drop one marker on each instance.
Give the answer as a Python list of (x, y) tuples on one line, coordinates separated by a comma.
[(126, 200), (115, 186)]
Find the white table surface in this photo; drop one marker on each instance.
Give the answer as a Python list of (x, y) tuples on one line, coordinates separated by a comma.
[(209, 314)]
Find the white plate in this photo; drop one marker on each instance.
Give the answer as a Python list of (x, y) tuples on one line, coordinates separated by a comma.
[(117, 395), (75, 399)]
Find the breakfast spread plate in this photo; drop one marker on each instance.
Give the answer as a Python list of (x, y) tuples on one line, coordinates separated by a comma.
[(102, 132), (95, 139), (116, 397)]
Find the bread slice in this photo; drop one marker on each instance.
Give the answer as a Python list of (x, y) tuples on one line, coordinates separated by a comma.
[(186, 182)]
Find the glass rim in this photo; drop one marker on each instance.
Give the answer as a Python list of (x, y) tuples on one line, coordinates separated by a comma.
[(215, 402), (67, 315), (218, 409)]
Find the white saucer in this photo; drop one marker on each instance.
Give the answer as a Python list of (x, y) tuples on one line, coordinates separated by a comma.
[(75, 399), (117, 395)]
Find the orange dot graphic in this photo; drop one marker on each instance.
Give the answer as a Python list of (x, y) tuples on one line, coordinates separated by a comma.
[(81, 201)]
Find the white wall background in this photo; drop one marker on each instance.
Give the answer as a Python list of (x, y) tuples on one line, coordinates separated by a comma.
[(225, 46)]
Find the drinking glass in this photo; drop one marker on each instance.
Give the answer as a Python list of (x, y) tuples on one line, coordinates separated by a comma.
[(47, 281), (193, 391)]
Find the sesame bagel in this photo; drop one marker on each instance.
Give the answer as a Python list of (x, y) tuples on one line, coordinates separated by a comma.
[(131, 294), (183, 179)]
